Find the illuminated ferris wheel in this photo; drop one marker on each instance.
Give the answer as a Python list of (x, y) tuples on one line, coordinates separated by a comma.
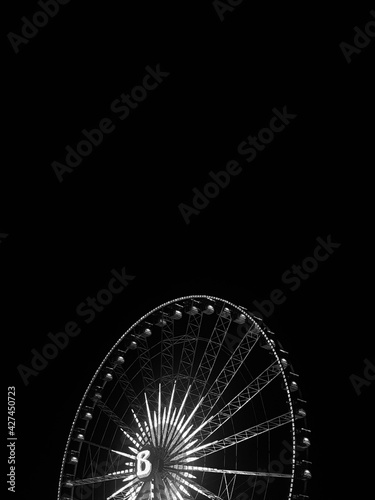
[(196, 400)]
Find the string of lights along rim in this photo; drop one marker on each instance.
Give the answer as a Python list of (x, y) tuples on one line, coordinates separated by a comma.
[(198, 399)]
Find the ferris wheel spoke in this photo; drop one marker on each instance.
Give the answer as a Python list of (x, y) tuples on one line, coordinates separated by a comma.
[(194, 468), (133, 488), (167, 350), (182, 438), (134, 401), (190, 341), (131, 495), (210, 355), (167, 489), (115, 418), (185, 368), (113, 462), (143, 493), (143, 435), (169, 417), (236, 403), (189, 483), (147, 370), (125, 474), (123, 454), (177, 421), (100, 446), (219, 445), (227, 487), (230, 369), (172, 490)]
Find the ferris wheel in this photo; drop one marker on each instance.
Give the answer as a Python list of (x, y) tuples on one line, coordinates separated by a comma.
[(198, 399)]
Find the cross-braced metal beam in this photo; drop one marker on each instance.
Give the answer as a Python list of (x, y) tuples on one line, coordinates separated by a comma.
[(212, 349), (128, 390), (147, 371), (236, 403), (167, 351), (195, 468), (214, 392), (115, 418), (221, 444), (121, 474)]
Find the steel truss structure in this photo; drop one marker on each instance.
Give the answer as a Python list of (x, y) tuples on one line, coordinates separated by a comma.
[(194, 401)]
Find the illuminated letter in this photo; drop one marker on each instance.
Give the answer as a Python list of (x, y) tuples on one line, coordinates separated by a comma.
[(144, 466)]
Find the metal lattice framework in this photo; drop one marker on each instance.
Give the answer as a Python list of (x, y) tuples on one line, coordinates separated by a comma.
[(180, 410)]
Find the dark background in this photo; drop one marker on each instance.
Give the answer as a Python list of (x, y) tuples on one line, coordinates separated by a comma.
[(120, 206)]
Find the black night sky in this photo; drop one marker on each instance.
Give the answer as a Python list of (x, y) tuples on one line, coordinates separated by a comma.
[(66, 231)]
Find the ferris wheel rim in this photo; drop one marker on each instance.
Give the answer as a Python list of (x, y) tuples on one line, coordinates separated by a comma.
[(241, 309)]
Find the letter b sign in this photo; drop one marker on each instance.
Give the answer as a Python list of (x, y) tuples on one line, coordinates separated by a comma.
[(144, 466)]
